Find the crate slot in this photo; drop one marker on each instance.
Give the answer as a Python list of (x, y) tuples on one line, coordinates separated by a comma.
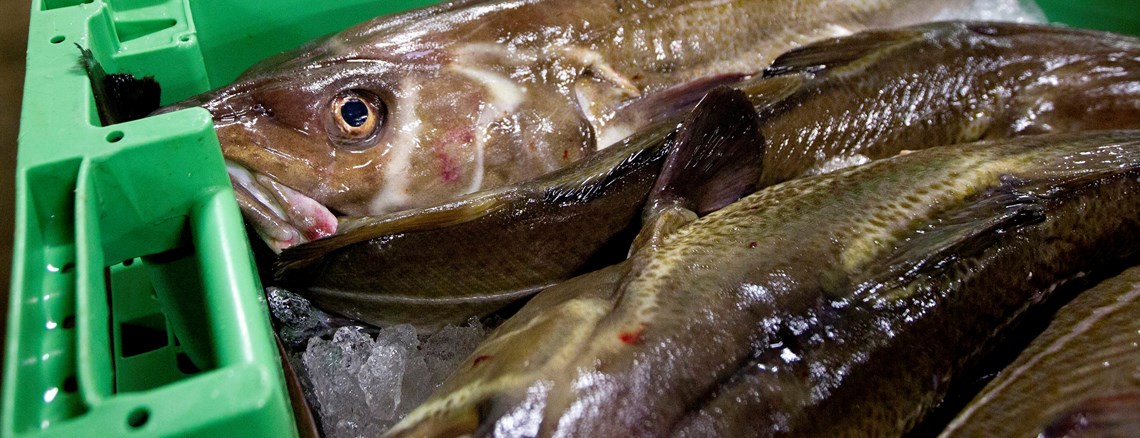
[(143, 335), (47, 299), (48, 5), (130, 30)]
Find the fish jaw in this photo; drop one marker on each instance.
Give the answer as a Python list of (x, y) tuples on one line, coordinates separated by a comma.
[(281, 216)]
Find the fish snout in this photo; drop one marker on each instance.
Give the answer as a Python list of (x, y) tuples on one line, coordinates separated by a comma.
[(281, 216)]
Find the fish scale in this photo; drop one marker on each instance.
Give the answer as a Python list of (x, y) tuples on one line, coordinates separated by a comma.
[(476, 95), (710, 335), (849, 111)]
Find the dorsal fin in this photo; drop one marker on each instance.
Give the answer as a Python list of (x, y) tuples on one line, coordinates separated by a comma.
[(847, 52), (714, 160)]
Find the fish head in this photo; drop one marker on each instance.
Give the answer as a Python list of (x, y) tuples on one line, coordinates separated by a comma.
[(326, 131)]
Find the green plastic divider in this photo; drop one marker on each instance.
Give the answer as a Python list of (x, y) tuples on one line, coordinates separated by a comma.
[(135, 305)]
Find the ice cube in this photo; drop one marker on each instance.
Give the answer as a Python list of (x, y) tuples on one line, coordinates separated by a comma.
[(363, 386)]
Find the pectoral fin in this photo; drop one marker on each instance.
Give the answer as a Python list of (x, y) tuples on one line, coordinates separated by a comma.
[(714, 160), (1021, 200), (962, 234)]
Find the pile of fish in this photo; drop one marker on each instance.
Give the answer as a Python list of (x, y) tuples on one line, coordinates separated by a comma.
[(734, 218)]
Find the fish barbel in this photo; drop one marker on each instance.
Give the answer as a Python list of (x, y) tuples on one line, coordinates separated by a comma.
[(415, 109), (842, 304), (824, 106)]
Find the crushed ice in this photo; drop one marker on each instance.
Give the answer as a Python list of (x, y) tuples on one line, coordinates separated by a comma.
[(362, 380)]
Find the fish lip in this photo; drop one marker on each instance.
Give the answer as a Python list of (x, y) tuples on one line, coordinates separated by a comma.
[(282, 216)]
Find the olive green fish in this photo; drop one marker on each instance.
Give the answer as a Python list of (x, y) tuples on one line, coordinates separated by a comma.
[(834, 305), (1086, 363), (416, 109), (827, 105)]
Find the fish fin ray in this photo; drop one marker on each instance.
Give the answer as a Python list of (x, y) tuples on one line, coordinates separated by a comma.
[(716, 157), (848, 52), (714, 160), (119, 97), (766, 92), (962, 234), (670, 103), (1017, 202)]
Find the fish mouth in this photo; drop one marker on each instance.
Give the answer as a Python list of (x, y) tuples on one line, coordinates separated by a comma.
[(281, 216)]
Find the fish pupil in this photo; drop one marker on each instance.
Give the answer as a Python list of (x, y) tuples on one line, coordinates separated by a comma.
[(354, 113)]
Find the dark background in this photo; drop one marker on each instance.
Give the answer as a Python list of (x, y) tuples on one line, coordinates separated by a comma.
[(13, 44)]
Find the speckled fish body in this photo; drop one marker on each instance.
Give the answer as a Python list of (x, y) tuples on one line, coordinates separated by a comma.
[(434, 266), (945, 83), (828, 105), (1085, 363), (471, 95), (837, 305)]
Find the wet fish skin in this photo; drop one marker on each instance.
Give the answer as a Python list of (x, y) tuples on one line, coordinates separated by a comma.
[(475, 95), (1085, 364), (822, 305), (828, 105), (1108, 416), (945, 83), (473, 256)]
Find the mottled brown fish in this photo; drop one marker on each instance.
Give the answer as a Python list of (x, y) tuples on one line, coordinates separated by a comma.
[(415, 109), (1079, 377), (828, 105), (842, 304), (434, 266)]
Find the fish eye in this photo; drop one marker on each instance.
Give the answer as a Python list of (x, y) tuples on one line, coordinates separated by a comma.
[(357, 116)]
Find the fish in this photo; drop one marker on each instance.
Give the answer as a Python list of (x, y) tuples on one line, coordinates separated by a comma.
[(827, 105), (415, 109), (430, 281), (1113, 415), (946, 83), (842, 304), (1084, 366)]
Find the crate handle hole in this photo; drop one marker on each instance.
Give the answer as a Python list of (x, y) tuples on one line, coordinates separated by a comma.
[(70, 385), (58, 39), (138, 418), (114, 136)]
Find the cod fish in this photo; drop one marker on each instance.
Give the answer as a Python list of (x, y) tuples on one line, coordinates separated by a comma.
[(1080, 376), (827, 105), (416, 109), (570, 221), (842, 304)]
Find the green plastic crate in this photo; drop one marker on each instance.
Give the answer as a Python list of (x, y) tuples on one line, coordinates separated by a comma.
[(135, 307), (1112, 15)]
